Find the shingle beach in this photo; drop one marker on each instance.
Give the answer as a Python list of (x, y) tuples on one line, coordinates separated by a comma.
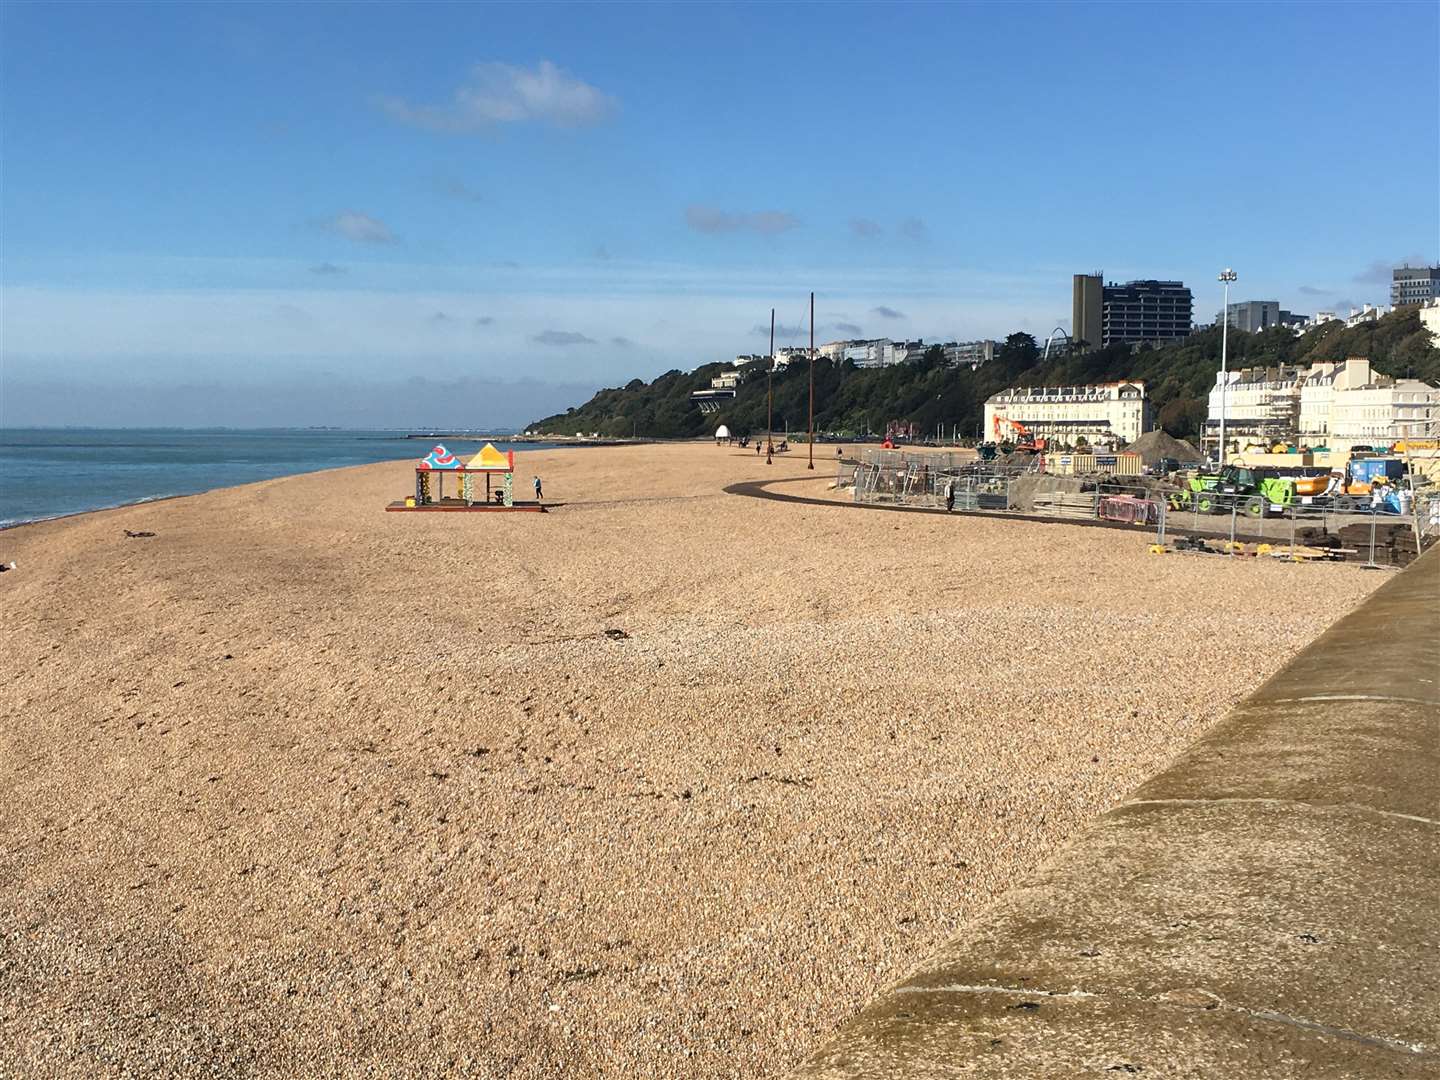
[(298, 788)]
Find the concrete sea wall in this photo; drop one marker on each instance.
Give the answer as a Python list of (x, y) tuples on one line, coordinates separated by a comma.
[(1269, 906)]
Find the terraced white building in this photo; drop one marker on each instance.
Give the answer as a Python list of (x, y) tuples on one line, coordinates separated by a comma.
[(1115, 412)]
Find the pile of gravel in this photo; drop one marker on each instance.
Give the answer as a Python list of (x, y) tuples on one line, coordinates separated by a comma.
[(1154, 445), (664, 783)]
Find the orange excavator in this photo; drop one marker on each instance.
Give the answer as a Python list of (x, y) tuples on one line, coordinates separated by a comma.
[(1024, 440)]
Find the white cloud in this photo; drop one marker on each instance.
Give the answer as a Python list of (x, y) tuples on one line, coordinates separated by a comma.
[(782, 330), (361, 228), (238, 331), (506, 94), (710, 219)]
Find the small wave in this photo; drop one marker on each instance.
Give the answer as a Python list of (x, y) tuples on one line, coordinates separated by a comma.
[(11, 523)]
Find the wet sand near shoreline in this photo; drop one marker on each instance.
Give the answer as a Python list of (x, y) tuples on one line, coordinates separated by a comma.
[(297, 787)]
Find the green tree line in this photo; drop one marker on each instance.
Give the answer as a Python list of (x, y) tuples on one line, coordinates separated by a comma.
[(851, 401)]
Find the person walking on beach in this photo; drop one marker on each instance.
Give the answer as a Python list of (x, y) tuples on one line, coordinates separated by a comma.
[(539, 491)]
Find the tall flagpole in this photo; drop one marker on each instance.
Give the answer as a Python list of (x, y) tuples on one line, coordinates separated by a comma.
[(812, 382), (770, 396)]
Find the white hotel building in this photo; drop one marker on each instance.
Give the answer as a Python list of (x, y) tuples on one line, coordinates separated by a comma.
[(1102, 413), (1337, 405)]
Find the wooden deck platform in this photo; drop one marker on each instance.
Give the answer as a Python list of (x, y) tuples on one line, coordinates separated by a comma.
[(461, 507)]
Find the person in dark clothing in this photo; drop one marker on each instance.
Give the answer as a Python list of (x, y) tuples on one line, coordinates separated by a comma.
[(539, 491)]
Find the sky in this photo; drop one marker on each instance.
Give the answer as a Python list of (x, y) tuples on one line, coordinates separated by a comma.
[(421, 214)]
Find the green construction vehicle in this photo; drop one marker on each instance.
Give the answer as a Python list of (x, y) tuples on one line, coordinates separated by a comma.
[(1253, 492)]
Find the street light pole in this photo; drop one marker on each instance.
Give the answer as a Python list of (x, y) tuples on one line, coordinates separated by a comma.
[(770, 396), (811, 437), (1227, 276)]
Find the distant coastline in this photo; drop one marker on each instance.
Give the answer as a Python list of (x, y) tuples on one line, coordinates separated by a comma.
[(565, 440)]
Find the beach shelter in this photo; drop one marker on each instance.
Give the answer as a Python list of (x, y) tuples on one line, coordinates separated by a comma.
[(722, 434), (491, 462), (438, 460)]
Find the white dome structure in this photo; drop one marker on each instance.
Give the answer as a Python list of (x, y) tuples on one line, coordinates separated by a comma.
[(722, 432)]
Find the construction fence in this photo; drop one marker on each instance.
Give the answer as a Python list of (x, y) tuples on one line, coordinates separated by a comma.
[(1377, 535), (906, 478)]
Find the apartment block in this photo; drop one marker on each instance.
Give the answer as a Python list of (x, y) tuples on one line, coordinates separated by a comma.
[(971, 354), (1135, 311), (1414, 284)]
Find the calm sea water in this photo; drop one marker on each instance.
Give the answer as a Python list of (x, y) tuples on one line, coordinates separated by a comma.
[(47, 472)]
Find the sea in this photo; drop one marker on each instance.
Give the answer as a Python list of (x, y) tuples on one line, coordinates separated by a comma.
[(52, 472)]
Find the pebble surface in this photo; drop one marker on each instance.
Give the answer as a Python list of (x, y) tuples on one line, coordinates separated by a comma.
[(299, 788)]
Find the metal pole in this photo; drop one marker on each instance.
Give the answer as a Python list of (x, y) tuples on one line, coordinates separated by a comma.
[(1227, 276), (770, 395), (811, 436), (1233, 509), (1414, 502), (1224, 363)]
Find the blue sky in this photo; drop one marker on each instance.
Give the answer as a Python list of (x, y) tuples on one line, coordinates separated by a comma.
[(474, 214)]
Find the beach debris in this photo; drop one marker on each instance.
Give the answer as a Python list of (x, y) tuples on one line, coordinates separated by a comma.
[(6, 566), (137, 535), (797, 781), (579, 974), (616, 634), (1191, 996)]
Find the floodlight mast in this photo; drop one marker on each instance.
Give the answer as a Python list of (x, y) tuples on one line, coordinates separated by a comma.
[(1227, 276)]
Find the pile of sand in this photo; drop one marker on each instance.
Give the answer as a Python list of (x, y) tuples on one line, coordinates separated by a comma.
[(1154, 445)]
